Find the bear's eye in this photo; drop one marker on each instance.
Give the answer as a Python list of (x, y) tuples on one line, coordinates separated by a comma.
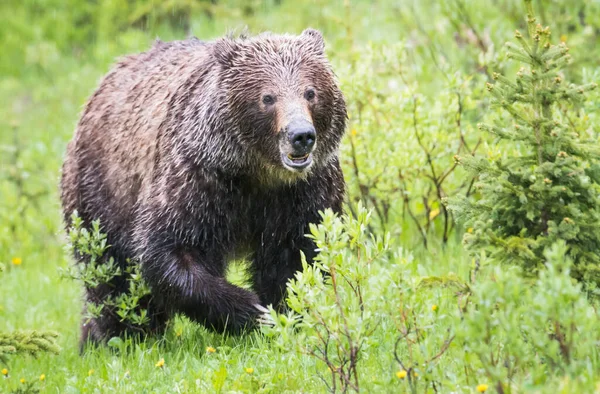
[(268, 99), (310, 94)]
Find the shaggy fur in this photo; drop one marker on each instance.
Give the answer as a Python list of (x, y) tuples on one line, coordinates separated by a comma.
[(180, 159)]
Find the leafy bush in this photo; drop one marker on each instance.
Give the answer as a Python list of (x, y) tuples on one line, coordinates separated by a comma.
[(401, 144), (358, 291), (342, 277), (94, 270), (524, 332)]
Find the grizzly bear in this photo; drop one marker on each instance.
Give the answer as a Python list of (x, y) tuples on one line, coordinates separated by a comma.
[(196, 153)]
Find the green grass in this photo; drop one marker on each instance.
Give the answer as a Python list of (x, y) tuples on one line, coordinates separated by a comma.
[(42, 90)]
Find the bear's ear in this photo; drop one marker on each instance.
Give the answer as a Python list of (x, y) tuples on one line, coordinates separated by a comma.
[(225, 51), (314, 40)]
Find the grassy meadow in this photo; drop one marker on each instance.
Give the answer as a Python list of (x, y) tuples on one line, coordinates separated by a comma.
[(428, 316)]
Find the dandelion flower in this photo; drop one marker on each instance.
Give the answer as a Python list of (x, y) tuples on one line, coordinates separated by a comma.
[(160, 363), (91, 372), (401, 374), (22, 380), (17, 261), (5, 372), (249, 371), (482, 388), (210, 349), (434, 308), (42, 377)]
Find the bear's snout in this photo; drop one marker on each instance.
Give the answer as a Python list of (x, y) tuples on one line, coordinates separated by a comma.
[(296, 152), (302, 137)]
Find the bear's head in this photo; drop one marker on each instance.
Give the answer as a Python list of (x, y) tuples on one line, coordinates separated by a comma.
[(283, 100)]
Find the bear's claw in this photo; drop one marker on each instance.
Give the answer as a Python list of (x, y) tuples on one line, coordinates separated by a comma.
[(265, 318)]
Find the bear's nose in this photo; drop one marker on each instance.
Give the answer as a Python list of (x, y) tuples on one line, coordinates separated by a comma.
[(302, 137)]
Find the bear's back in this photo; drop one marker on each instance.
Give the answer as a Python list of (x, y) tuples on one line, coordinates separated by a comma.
[(110, 162)]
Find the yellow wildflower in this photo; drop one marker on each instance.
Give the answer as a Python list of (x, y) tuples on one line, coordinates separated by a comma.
[(353, 132), (401, 374), (434, 213), (482, 388), (42, 377), (22, 380), (5, 372), (17, 261), (91, 372), (160, 363), (470, 230), (249, 371), (434, 308), (210, 349)]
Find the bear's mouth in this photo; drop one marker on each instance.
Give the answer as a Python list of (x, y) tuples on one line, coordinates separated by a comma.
[(297, 163)]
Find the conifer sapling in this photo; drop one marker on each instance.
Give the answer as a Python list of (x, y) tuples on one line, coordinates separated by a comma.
[(550, 189)]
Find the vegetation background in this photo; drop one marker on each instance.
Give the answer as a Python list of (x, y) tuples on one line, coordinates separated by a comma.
[(411, 310)]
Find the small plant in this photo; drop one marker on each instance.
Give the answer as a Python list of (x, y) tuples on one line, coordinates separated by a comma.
[(547, 187), (519, 329), (93, 270), (334, 299), (417, 339), (26, 341)]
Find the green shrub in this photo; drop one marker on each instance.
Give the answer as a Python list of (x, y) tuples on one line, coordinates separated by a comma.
[(94, 270), (522, 333), (359, 298), (334, 299), (547, 187), (398, 156), (29, 342)]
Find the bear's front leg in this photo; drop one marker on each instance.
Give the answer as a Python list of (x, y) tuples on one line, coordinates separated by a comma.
[(189, 280)]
